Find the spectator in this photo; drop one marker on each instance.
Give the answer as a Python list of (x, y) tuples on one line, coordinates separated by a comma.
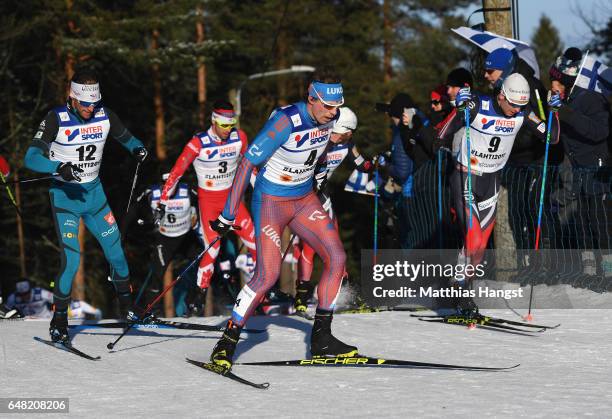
[(400, 170), (31, 302), (584, 116)]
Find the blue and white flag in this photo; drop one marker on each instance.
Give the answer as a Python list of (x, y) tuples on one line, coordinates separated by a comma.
[(594, 75), (360, 182), (490, 41)]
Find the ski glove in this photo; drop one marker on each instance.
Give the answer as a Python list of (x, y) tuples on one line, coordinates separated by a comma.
[(223, 226), (158, 214), (554, 101), (69, 171), (463, 97), (380, 159), (140, 154)]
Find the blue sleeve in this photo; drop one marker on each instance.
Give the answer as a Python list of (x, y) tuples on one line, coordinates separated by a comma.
[(35, 160), (132, 143), (273, 135)]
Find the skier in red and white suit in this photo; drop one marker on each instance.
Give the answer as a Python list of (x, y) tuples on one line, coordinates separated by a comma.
[(215, 155)]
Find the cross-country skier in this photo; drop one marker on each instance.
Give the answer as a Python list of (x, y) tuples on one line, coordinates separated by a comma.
[(494, 124), (69, 143), (338, 150), (287, 150), (174, 230), (215, 155), (33, 302)]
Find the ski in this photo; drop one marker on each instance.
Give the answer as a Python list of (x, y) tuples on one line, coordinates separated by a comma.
[(304, 315), (366, 361), (492, 319), (464, 321), (67, 348), (160, 324), (217, 369), (367, 310)]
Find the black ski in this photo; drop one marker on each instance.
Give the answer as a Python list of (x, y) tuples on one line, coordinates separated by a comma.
[(464, 321), (366, 361), (217, 369), (367, 310), (304, 315), (491, 319), (67, 348), (161, 324)]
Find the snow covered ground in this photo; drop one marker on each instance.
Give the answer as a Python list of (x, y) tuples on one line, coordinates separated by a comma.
[(564, 372)]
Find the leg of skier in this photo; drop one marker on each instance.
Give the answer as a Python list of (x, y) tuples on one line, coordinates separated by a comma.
[(102, 224), (314, 226), (210, 204), (67, 228)]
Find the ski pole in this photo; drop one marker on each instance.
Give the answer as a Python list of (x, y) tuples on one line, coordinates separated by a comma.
[(152, 304), (469, 163), (375, 212), (529, 317), (133, 187), (36, 179), (288, 247), (10, 194), (440, 199), (540, 107)]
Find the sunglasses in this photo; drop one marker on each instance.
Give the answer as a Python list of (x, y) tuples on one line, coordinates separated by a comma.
[(225, 126), (519, 107), (435, 102), (89, 104), (490, 70)]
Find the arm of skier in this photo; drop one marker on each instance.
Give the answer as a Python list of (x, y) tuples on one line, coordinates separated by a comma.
[(538, 127), (270, 138), (36, 157), (188, 155)]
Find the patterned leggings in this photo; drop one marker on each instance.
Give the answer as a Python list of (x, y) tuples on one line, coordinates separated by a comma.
[(305, 217)]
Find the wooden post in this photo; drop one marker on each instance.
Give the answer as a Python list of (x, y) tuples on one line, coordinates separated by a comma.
[(200, 37), (158, 102), (169, 297)]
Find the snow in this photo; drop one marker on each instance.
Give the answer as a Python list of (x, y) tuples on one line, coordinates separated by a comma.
[(564, 372)]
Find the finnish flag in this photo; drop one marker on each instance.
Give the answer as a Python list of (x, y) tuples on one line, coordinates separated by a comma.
[(360, 182), (490, 41), (595, 76)]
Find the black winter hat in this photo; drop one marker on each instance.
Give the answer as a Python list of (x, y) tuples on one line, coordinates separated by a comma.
[(397, 105), (565, 68), (459, 77)]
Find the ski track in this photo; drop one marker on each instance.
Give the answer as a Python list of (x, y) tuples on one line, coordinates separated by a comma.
[(564, 372)]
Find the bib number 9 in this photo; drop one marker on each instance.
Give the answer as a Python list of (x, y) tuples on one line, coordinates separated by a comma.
[(494, 144)]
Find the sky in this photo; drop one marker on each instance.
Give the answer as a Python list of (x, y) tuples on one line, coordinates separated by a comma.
[(564, 15)]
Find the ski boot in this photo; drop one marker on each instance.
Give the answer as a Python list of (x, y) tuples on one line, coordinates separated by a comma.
[(322, 343), (303, 293), (223, 352), (58, 329), (5, 312)]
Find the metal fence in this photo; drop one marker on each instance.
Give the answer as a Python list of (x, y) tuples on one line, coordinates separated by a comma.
[(576, 219)]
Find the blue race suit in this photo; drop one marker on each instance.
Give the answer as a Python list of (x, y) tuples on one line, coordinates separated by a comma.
[(63, 136)]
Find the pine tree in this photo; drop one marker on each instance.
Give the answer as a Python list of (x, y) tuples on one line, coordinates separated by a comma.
[(547, 46)]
